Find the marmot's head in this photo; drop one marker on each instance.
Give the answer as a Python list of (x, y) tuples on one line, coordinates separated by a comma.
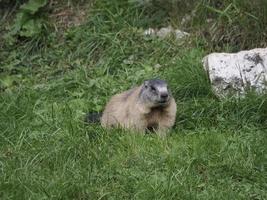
[(155, 93)]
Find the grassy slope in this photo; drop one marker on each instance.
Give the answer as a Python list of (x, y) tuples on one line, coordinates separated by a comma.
[(216, 151)]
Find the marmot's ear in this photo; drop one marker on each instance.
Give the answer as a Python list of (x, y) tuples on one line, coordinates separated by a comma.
[(146, 83)]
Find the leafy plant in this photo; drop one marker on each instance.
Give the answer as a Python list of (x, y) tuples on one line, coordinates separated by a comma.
[(30, 21)]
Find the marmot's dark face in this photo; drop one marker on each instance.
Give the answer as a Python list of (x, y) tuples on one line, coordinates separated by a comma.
[(155, 93)]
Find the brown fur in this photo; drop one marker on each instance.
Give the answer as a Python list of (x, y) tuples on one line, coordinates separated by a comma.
[(128, 111)]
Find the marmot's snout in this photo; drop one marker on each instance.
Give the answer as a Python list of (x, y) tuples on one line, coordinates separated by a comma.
[(163, 100), (164, 97)]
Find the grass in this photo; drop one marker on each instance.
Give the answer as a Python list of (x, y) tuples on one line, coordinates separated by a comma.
[(217, 149)]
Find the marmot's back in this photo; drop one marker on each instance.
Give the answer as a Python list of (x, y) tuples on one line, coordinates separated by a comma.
[(119, 108)]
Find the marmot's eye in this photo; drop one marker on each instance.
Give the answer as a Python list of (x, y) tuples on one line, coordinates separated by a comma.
[(153, 89)]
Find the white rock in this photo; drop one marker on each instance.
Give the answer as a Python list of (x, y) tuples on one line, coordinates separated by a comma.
[(166, 32), (157, 66), (180, 34), (237, 73), (129, 60), (149, 31)]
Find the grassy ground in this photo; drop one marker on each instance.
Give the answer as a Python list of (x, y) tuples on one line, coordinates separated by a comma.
[(216, 151)]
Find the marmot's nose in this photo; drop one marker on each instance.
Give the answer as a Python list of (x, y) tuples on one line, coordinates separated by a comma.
[(164, 96)]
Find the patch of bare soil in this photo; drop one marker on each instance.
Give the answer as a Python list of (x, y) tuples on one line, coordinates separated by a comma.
[(65, 14)]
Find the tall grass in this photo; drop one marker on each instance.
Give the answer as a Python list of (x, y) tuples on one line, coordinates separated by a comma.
[(223, 24), (216, 151)]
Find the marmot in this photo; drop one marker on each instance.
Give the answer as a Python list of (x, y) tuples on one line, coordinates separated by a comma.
[(149, 106)]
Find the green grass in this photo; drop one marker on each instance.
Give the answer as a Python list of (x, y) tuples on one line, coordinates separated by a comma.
[(217, 149)]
